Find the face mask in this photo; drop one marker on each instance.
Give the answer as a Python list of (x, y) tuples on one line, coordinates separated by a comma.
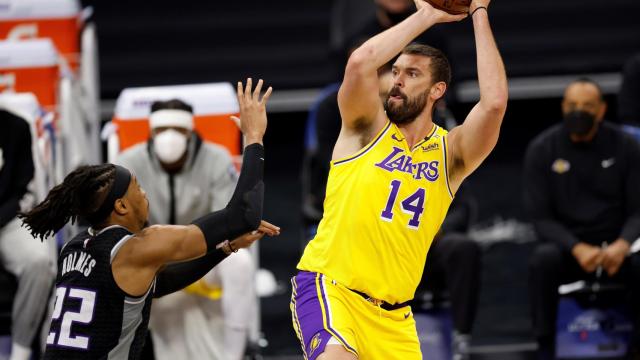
[(579, 122), (170, 145)]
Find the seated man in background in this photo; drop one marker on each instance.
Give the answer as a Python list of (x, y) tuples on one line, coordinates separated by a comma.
[(185, 178), (581, 182), (28, 259)]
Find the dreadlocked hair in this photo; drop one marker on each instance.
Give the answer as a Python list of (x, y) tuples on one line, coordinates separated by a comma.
[(80, 194)]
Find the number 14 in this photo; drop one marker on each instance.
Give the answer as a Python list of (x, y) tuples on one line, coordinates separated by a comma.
[(414, 204)]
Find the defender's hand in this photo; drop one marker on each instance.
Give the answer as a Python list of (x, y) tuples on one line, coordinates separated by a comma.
[(253, 113), (436, 15), (614, 255), (244, 241), (588, 256)]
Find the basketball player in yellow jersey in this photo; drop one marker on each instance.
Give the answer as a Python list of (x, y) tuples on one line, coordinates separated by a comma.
[(392, 178)]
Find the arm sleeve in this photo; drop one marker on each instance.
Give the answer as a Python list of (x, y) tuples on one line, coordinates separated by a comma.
[(22, 171), (177, 276), (537, 200), (631, 227), (243, 213)]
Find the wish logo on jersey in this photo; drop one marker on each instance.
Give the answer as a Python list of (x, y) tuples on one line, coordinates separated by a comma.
[(397, 160)]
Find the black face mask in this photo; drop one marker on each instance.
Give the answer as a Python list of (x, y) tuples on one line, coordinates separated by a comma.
[(579, 122)]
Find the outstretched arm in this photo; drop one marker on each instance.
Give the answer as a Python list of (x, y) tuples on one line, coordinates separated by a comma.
[(177, 276), (142, 256), (358, 98), (471, 142)]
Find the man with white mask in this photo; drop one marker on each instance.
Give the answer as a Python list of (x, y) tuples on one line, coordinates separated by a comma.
[(184, 178)]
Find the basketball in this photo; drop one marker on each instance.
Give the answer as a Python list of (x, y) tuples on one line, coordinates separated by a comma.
[(451, 6)]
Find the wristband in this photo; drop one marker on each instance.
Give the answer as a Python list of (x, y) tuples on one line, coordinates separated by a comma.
[(231, 247), (478, 8), (226, 247)]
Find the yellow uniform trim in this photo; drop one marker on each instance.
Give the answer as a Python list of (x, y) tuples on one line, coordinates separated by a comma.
[(446, 166)]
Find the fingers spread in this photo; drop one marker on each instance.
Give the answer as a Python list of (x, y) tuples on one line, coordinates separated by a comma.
[(239, 91), (247, 89), (266, 95), (256, 91)]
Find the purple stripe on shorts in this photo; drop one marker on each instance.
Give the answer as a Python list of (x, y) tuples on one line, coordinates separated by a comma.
[(308, 315)]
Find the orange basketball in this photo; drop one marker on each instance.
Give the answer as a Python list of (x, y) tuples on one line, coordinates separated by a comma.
[(451, 6)]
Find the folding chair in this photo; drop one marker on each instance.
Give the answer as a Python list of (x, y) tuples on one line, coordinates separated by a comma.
[(64, 23), (594, 321)]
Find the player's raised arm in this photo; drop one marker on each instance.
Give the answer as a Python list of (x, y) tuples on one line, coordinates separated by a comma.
[(358, 99), (157, 246), (472, 142)]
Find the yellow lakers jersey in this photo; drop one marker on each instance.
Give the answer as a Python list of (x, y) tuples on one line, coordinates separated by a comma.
[(383, 207)]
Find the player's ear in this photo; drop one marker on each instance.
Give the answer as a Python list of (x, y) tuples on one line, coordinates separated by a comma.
[(437, 90), (121, 207)]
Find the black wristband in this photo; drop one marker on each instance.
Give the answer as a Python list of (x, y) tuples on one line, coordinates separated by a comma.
[(478, 8)]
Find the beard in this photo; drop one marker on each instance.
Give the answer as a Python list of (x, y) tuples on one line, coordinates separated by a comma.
[(406, 112)]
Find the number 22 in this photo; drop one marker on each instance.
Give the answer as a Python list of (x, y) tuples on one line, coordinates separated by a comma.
[(84, 316), (414, 204)]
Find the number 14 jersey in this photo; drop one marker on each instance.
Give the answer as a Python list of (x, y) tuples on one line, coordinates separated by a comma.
[(92, 317), (383, 207)]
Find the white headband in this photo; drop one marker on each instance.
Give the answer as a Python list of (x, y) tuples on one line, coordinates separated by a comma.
[(171, 118)]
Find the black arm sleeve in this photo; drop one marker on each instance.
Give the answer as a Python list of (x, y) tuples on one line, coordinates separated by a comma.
[(631, 227), (178, 276), (537, 199), (243, 213)]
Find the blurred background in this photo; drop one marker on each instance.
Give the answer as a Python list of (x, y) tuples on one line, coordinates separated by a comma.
[(300, 48)]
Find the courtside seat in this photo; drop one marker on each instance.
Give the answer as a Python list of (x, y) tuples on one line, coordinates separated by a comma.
[(31, 66), (58, 20), (594, 321), (35, 66), (65, 24), (213, 104)]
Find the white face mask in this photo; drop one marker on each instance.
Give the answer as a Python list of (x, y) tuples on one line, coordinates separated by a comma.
[(170, 145)]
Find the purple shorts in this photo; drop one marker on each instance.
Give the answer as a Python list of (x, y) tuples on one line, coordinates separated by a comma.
[(308, 292)]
